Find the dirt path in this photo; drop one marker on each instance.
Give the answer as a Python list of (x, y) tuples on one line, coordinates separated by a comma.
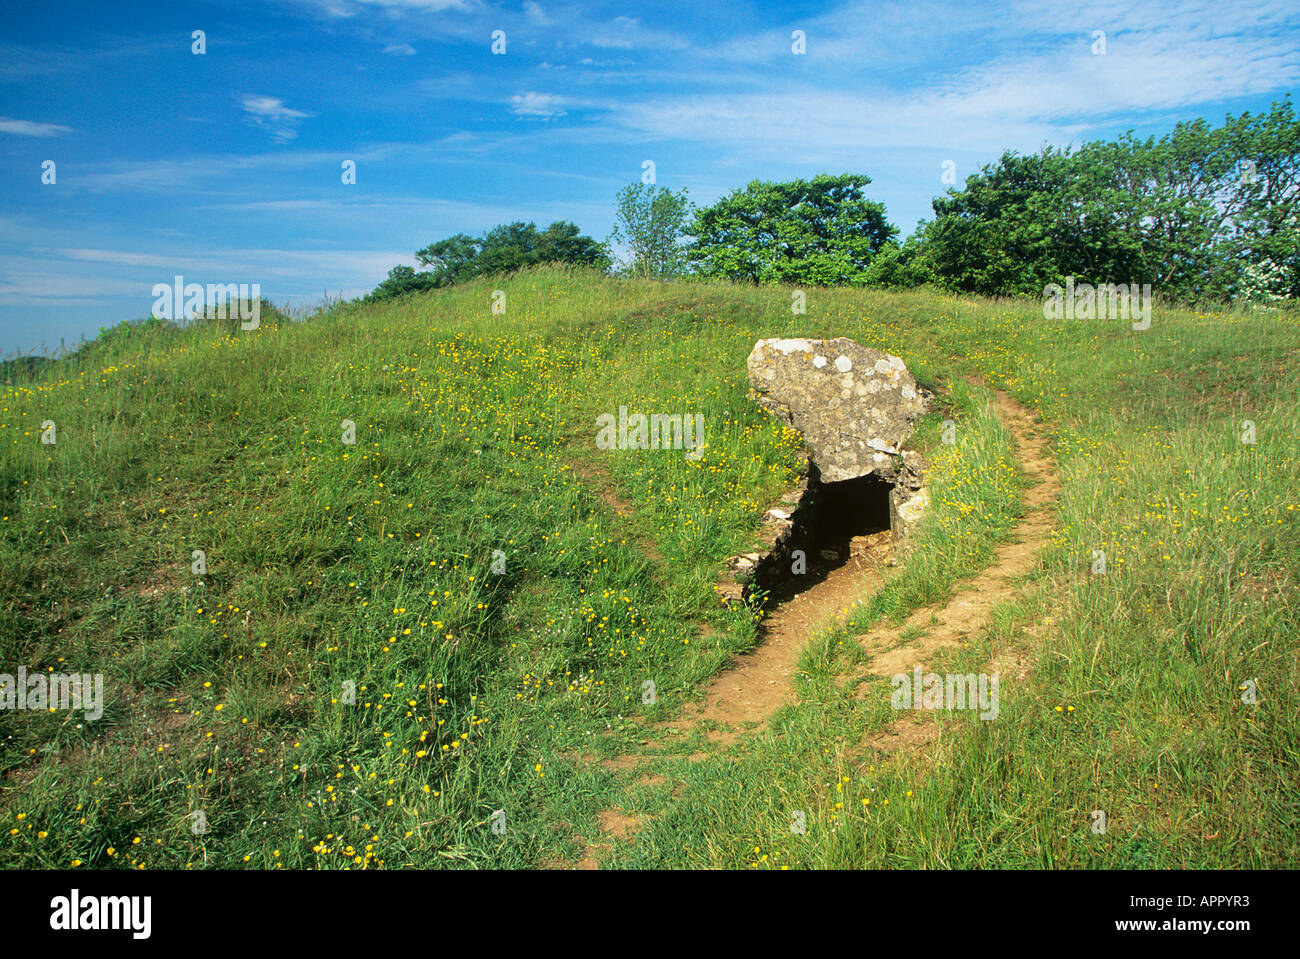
[(970, 610), (760, 681)]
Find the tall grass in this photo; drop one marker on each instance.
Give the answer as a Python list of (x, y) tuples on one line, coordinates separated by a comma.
[(481, 696)]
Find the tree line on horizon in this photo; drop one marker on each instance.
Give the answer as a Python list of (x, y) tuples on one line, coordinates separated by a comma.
[(1202, 214)]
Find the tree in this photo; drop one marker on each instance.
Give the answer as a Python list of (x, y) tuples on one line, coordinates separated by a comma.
[(510, 247), (997, 236), (650, 221), (562, 243), (1200, 213), (503, 249), (1267, 216), (816, 232), (506, 248), (402, 280), (450, 258), (901, 267)]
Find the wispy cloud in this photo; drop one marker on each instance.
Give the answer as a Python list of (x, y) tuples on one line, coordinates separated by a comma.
[(400, 50), (271, 113), (351, 8), (627, 33), (27, 128), (545, 106), (536, 14), (1053, 89), (76, 276)]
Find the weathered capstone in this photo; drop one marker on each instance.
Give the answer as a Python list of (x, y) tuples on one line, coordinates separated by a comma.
[(855, 406)]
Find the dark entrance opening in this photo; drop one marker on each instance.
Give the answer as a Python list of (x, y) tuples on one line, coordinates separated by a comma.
[(849, 508), (827, 524)]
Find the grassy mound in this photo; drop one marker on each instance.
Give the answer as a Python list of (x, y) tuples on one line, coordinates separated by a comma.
[(406, 649)]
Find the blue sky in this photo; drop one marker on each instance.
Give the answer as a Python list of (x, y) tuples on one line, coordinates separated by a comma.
[(226, 167)]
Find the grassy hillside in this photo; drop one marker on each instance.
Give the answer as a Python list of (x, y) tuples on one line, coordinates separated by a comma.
[(333, 566)]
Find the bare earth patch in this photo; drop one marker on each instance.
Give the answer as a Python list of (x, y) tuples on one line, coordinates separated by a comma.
[(615, 824)]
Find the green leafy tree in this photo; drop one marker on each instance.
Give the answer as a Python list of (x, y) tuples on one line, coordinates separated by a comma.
[(506, 248), (1193, 213), (451, 258), (561, 242), (503, 249), (1267, 212), (510, 247), (650, 221), (995, 236), (818, 232), (402, 280), (901, 266)]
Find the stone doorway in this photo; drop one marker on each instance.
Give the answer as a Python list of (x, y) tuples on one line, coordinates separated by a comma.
[(835, 524)]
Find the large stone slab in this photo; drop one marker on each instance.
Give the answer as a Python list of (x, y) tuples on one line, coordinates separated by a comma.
[(855, 406)]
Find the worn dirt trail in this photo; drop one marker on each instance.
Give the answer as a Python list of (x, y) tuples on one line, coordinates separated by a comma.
[(970, 610), (761, 681)]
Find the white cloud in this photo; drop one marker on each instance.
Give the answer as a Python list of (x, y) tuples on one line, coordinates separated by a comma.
[(26, 128), (400, 50), (63, 277), (533, 10), (545, 106), (814, 123), (210, 170), (626, 33), (29, 283), (211, 265), (272, 114), (271, 108), (351, 8), (1052, 89)]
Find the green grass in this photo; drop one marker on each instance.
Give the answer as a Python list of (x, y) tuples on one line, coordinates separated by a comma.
[(475, 433)]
